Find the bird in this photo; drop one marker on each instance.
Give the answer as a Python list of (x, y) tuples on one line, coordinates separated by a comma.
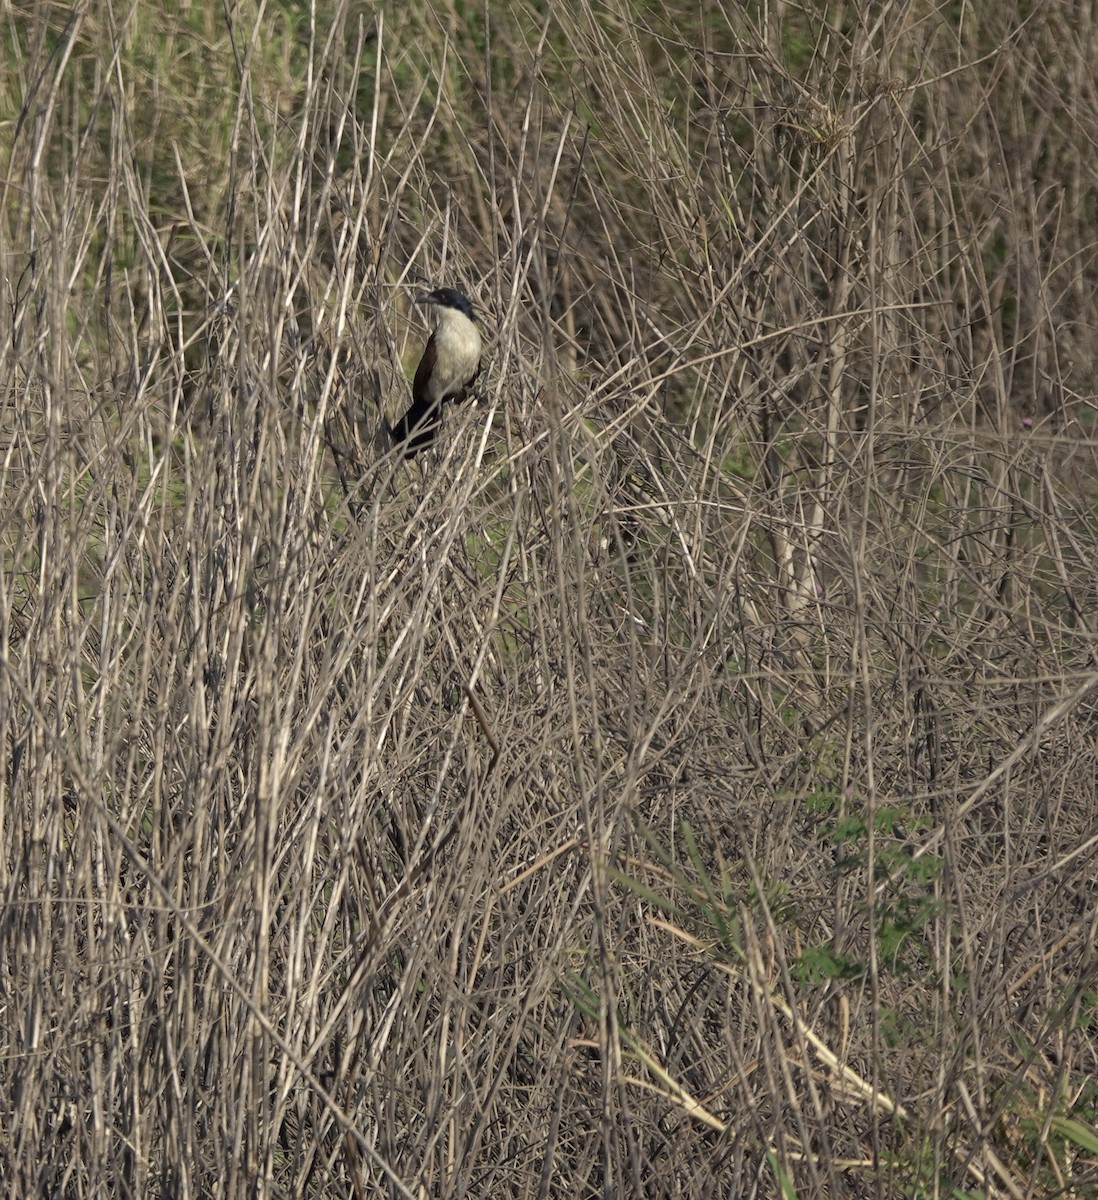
[(450, 364)]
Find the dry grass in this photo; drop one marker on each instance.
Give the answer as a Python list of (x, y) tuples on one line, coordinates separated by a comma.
[(682, 782)]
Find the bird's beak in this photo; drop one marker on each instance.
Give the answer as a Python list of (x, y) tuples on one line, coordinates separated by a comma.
[(425, 298)]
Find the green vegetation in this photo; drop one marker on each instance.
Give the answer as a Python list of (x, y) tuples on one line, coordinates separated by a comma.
[(683, 782)]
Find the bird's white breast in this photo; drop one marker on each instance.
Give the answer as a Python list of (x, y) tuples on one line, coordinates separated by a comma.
[(457, 354)]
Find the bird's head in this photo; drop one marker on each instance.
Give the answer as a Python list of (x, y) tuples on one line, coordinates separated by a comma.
[(448, 297)]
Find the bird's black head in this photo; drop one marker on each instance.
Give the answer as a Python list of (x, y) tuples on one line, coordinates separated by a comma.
[(449, 298)]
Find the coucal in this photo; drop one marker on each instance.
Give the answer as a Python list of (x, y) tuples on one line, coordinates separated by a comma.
[(450, 363)]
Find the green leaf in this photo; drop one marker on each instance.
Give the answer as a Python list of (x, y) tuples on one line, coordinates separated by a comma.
[(1083, 1135)]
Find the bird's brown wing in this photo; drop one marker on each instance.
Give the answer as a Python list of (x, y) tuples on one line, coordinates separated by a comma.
[(424, 371)]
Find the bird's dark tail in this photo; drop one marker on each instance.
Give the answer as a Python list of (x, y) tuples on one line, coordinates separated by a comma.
[(418, 428)]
